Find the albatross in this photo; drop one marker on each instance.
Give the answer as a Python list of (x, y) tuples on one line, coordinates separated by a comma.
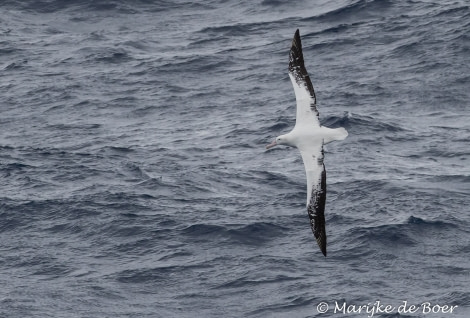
[(309, 137)]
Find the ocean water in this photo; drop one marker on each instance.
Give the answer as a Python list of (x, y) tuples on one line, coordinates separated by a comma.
[(135, 180)]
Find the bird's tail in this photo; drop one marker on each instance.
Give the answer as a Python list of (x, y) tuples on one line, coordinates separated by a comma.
[(340, 133)]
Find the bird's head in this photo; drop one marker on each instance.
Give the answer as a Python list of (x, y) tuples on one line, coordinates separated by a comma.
[(281, 140)]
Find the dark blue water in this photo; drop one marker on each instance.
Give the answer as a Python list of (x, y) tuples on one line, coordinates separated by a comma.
[(135, 182)]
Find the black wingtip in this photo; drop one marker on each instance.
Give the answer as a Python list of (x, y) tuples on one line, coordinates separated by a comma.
[(321, 239), (322, 244), (297, 37)]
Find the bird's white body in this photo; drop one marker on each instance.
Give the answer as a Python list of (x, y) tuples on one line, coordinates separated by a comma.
[(304, 137), (310, 140)]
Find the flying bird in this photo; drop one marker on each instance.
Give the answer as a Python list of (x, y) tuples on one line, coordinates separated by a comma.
[(309, 137)]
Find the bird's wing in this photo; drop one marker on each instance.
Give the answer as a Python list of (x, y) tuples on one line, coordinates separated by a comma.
[(307, 112), (316, 192)]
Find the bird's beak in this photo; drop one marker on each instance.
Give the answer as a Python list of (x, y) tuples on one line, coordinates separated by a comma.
[(271, 144)]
